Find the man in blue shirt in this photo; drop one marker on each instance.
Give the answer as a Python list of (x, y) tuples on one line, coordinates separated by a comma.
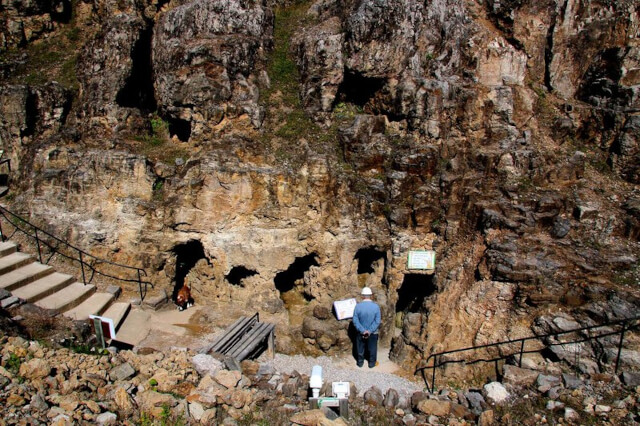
[(366, 319)]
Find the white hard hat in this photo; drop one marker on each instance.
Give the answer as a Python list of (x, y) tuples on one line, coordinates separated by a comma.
[(366, 291)]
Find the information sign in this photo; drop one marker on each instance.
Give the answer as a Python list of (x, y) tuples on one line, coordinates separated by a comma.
[(344, 308), (421, 259)]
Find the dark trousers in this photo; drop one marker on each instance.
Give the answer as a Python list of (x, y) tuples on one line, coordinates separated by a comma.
[(368, 345)]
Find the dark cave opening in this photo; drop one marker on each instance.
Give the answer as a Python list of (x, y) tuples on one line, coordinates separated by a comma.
[(62, 11), (414, 290), (180, 128), (358, 89), (138, 89), (187, 255), (239, 273), (286, 280), (367, 258)]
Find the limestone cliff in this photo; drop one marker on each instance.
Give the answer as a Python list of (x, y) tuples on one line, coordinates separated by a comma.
[(284, 156)]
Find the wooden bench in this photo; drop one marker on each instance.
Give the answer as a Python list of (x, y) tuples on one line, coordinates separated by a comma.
[(245, 338)]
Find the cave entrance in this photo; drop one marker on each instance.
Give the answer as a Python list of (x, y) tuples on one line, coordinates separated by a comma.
[(187, 255), (180, 128), (358, 89), (237, 275), (371, 266), (414, 290), (290, 284), (138, 89)]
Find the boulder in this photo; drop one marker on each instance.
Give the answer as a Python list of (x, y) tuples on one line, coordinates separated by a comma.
[(373, 396), (495, 393), (391, 398), (519, 376), (122, 372), (228, 379), (35, 368), (206, 364), (435, 407)]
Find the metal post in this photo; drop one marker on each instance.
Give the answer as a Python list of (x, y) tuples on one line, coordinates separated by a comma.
[(38, 244), (521, 351), (84, 279), (433, 375), (2, 233), (140, 285), (624, 328)]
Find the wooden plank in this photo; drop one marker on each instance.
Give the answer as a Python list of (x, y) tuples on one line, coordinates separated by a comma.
[(259, 348), (232, 336), (228, 334), (248, 339), (253, 341)]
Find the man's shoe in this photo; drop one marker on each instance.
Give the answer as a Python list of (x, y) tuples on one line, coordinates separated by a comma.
[(376, 364), (360, 365)]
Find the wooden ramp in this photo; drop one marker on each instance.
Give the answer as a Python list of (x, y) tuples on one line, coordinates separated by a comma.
[(245, 338)]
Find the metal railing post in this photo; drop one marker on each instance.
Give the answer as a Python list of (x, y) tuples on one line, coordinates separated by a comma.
[(433, 375), (1, 233), (38, 244), (84, 279), (624, 328), (521, 351)]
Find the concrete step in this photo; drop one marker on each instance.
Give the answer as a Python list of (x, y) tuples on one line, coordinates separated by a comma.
[(24, 275), (94, 305), (13, 261), (67, 298), (7, 247), (117, 312), (43, 287)]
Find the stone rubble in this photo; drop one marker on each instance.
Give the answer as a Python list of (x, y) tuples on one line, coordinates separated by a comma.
[(50, 385)]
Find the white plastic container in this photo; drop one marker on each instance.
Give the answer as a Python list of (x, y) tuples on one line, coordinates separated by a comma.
[(315, 381)]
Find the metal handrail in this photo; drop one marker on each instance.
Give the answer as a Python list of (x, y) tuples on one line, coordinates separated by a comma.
[(22, 224), (626, 324)]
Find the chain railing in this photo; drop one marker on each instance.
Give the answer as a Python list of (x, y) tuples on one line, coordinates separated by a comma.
[(439, 359), (90, 265)]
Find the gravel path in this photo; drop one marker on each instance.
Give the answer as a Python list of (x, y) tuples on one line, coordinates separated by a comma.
[(345, 370)]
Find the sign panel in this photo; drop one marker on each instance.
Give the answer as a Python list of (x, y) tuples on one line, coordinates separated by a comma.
[(421, 259), (344, 308), (107, 327)]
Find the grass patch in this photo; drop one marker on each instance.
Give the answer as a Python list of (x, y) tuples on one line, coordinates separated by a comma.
[(287, 123), (158, 146), (13, 364)]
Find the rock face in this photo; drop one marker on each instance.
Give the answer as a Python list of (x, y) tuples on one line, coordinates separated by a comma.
[(206, 60), (502, 135)]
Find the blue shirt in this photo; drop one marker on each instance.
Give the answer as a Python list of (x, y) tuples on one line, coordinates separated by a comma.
[(366, 317)]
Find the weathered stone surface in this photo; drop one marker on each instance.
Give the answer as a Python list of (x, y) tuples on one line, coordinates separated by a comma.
[(519, 376), (228, 379), (373, 396), (495, 393), (107, 418), (205, 57), (35, 368), (206, 364), (435, 407), (122, 372), (391, 398)]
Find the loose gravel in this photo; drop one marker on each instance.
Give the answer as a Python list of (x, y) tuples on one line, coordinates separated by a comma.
[(338, 370)]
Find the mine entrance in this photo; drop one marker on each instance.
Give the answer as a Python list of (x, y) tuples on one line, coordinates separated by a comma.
[(187, 255), (371, 265), (412, 293)]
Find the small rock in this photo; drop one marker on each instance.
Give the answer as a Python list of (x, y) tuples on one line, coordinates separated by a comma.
[(228, 379), (630, 379), (196, 410), (602, 410), (554, 405), (309, 418), (476, 401), (435, 407), (122, 372), (38, 403), (519, 376), (487, 418), (321, 312), (409, 420), (107, 418), (206, 364), (545, 382), (36, 368), (495, 393), (266, 370), (391, 398), (373, 396), (16, 400), (570, 414), (572, 382)]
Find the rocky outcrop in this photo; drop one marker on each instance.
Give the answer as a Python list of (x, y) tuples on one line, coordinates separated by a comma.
[(24, 21), (207, 58)]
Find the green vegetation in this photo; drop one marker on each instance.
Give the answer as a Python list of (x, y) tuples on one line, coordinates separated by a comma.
[(157, 145), (13, 364), (287, 123)]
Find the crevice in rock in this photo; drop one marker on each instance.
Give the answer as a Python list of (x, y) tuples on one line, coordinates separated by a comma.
[(548, 55), (179, 128), (31, 115), (415, 288), (358, 89), (138, 90), (62, 11), (187, 255), (286, 280), (238, 274)]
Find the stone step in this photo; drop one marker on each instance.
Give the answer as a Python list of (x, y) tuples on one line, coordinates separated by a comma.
[(94, 305), (117, 312), (67, 298), (13, 261), (43, 287), (7, 247), (24, 275)]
